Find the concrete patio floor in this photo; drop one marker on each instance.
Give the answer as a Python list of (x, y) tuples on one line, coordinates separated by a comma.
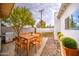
[(51, 48)]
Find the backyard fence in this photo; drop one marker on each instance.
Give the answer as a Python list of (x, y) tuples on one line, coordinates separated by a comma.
[(9, 33), (38, 29), (8, 29)]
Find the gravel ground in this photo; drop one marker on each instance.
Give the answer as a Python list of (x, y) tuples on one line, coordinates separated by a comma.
[(52, 48)]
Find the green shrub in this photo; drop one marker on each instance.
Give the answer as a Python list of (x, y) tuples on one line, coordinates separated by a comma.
[(59, 34), (69, 43)]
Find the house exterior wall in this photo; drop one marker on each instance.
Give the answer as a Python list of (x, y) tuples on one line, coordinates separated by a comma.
[(56, 26), (69, 33)]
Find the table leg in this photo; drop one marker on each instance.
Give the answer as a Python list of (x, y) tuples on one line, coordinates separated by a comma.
[(27, 47)]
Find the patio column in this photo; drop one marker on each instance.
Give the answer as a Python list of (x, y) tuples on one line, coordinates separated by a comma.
[(0, 34), (57, 26)]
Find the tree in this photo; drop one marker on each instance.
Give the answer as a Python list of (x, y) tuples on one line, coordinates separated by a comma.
[(21, 17), (4, 22), (41, 24)]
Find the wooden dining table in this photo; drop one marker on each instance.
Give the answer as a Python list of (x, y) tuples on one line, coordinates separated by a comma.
[(28, 38)]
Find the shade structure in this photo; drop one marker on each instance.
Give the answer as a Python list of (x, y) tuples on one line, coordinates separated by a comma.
[(5, 9)]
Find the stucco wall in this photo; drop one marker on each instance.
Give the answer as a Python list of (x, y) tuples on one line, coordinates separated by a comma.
[(56, 26), (69, 33)]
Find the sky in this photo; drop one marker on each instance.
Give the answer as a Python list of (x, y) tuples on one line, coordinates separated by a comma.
[(76, 16), (48, 13)]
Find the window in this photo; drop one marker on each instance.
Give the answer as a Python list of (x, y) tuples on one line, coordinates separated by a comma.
[(72, 21)]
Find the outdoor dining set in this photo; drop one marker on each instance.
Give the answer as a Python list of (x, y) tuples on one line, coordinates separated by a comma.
[(27, 40)]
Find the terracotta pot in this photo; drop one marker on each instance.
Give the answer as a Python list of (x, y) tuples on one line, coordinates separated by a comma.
[(70, 52), (5, 9)]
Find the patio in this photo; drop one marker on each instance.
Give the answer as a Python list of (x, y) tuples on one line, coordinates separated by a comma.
[(21, 47), (49, 48), (64, 24)]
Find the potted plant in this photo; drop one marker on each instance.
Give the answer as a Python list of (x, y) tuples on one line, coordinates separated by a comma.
[(69, 47)]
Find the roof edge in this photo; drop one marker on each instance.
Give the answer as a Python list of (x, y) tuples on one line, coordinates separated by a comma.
[(62, 9)]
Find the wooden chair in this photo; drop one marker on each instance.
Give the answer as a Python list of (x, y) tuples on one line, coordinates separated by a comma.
[(21, 43), (36, 41)]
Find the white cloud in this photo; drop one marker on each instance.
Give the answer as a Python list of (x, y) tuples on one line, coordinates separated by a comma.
[(48, 13)]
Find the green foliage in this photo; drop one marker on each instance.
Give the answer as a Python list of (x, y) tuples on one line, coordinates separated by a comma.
[(6, 20), (41, 24), (21, 17), (69, 43), (60, 34)]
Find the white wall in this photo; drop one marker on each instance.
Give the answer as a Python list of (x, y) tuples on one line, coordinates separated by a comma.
[(56, 26), (69, 33), (45, 30)]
